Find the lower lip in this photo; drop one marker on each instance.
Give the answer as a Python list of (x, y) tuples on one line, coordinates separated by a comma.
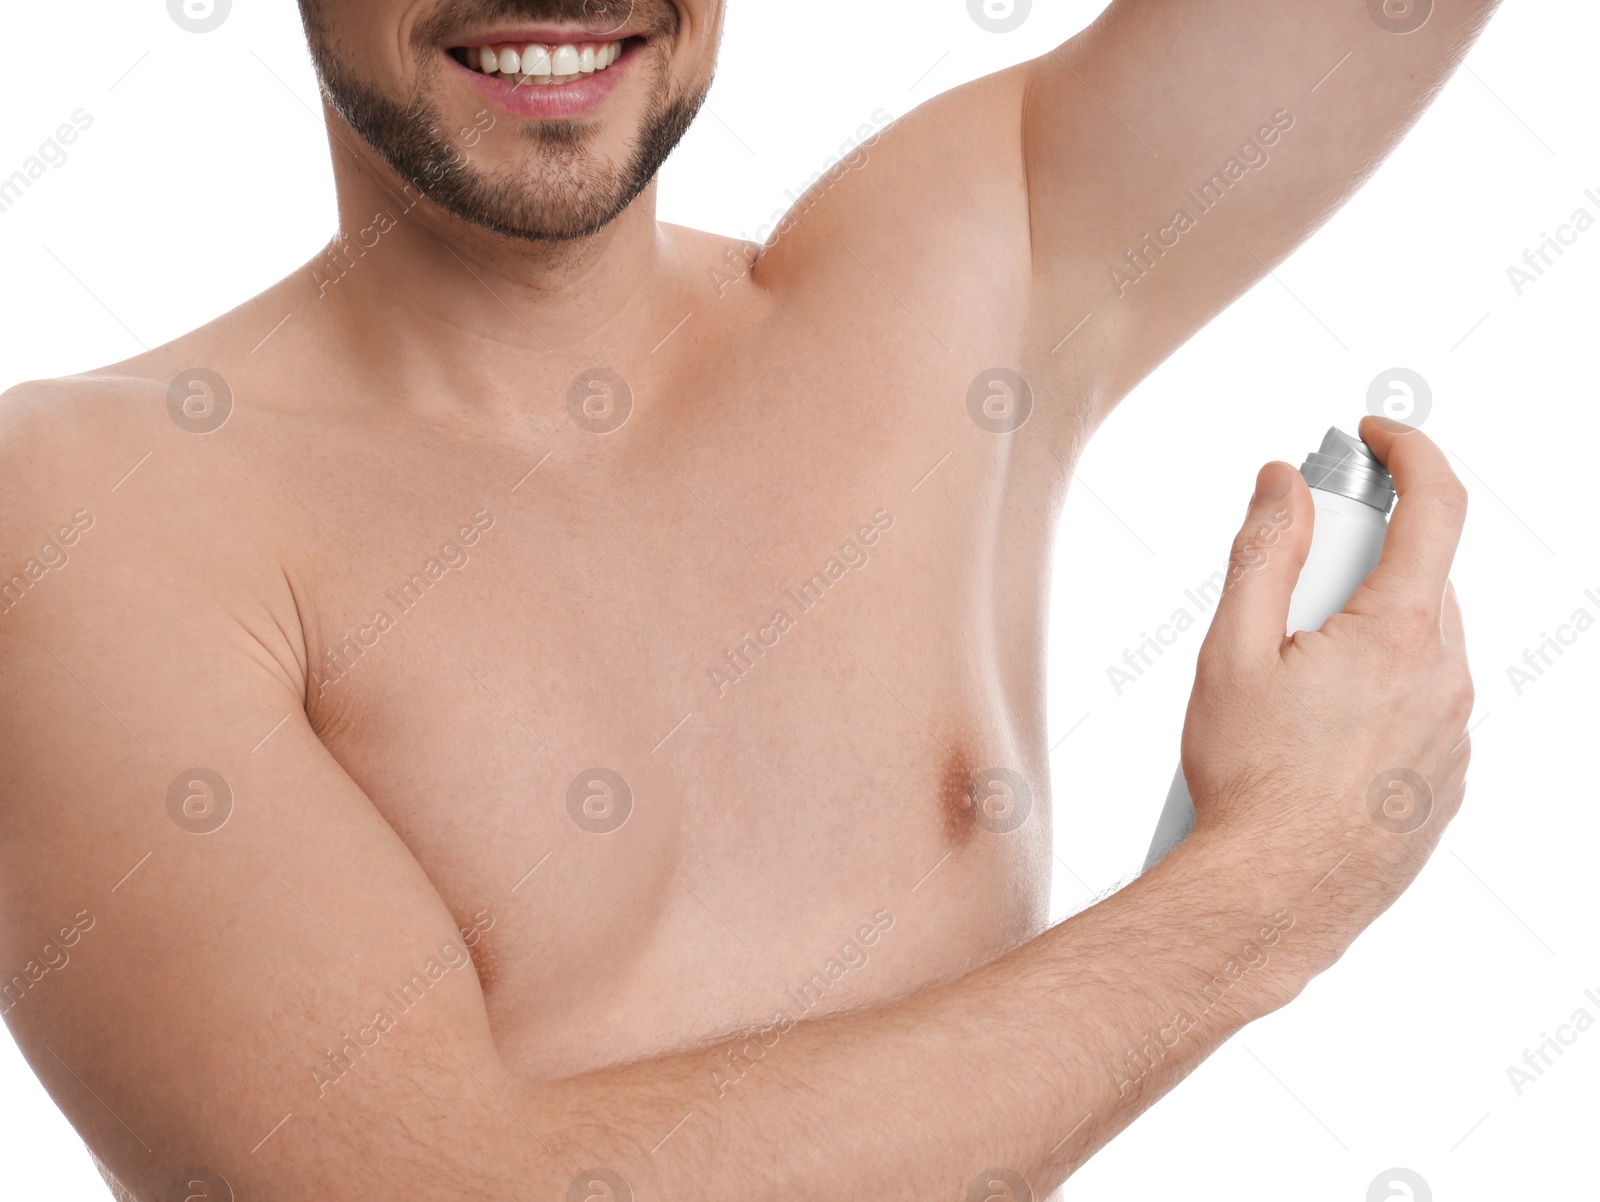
[(536, 102)]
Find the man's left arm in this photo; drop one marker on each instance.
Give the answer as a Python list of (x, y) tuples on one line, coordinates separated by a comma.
[(1176, 150)]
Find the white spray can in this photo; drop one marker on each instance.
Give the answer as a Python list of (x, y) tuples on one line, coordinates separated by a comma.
[(1352, 494)]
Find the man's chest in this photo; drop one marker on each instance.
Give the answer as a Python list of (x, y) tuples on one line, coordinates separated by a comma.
[(683, 709)]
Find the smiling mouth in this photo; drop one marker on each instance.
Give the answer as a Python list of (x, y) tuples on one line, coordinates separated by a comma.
[(542, 65)]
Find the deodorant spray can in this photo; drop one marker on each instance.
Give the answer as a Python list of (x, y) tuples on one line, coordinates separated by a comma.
[(1352, 494)]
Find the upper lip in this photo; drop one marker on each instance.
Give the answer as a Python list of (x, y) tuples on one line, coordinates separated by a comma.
[(548, 35)]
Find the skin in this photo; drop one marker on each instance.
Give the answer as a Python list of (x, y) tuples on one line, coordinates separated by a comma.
[(826, 813)]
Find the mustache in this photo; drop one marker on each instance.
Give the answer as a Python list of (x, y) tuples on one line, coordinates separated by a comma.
[(650, 17)]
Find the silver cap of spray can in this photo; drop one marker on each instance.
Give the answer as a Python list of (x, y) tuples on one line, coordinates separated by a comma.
[(1343, 465)]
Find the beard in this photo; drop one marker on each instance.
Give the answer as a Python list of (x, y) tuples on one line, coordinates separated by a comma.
[(573, 193)]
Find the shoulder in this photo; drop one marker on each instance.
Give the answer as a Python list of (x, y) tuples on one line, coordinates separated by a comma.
[(173, 399), (177, 406), (53, 409), (58, 436), (79, 438), (138, 482)]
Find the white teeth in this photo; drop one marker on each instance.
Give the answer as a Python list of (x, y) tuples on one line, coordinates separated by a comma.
[(536, 61), (564, 60), (538, 64)]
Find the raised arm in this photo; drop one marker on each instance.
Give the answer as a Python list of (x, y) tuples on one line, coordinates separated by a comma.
[(1177, 149), (235, 966)]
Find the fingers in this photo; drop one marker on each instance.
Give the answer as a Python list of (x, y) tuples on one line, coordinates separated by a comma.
[(1426, 526), (1267, 556)]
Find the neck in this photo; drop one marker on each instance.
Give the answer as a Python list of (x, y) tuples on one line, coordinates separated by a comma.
[(433, 306)]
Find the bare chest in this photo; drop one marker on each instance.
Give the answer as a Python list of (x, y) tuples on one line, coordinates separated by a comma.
[(678, 716)]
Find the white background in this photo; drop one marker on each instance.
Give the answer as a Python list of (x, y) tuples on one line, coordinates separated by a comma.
[(204, 178)]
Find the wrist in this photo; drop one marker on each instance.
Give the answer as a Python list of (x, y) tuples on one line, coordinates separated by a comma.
[(1256, 942)]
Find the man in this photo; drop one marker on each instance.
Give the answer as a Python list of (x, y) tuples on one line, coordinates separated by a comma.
[(541, 703)]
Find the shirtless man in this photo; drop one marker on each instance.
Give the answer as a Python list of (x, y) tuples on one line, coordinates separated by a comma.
[(539, 705)]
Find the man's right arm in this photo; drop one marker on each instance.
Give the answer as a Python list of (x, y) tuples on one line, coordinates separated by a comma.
[(195, 1008)]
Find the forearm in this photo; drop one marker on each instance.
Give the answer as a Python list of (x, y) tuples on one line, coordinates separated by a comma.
[(1031, 1063)]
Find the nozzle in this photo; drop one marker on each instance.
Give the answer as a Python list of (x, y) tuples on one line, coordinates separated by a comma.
[(1343, 465)]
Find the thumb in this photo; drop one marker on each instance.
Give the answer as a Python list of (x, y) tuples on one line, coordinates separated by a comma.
[(1265, 563)]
